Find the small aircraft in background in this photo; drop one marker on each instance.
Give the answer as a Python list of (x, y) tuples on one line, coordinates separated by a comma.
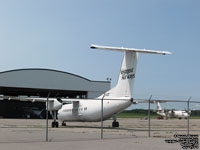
[(165, 114)]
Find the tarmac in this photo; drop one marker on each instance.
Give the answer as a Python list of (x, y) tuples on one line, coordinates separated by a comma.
[(30, 134)]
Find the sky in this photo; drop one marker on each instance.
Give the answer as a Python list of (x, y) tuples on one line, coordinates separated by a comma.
[(57, 34)]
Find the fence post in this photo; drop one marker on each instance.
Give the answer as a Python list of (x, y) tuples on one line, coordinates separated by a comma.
[(47, 111), (102, 116), (188, 120), (149, 117)]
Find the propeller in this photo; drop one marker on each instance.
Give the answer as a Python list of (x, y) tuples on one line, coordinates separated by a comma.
[(59, 99), (40, 113), (166, 111), (189, 112)]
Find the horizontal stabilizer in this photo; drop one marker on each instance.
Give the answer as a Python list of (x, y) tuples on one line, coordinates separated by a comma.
[(122, 49)]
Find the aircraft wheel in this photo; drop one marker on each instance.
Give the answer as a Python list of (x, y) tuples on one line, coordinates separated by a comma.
[(115, 124), (63, 124), (54, 124)]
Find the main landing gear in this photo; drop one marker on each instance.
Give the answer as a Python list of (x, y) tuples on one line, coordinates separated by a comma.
[(63, 124), (115, 123), (55, 123)]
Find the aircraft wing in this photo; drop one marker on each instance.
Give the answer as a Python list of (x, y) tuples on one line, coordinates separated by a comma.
[(42, 99), (69, 100), (31, 99), (136, 101)]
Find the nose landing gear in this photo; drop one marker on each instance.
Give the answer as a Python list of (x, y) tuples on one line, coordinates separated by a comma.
[(55, 123), (115, 123), (63, 124)]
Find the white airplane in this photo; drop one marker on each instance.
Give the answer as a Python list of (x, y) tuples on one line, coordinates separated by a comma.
[(114, 101), (171, 113)]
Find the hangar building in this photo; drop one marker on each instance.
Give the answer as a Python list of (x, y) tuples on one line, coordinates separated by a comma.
[(39, 82)]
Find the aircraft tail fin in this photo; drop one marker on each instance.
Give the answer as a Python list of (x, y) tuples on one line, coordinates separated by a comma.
[(124, 86), (158, 106)]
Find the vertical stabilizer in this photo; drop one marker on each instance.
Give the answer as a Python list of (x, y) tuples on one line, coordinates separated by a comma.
[(126, 78), (158, 106), (124, 87)]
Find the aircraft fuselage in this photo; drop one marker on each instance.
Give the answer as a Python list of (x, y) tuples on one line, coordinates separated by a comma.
[(90, 110)]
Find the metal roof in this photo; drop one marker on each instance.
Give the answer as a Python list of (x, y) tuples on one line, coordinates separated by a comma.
[(48, 79)]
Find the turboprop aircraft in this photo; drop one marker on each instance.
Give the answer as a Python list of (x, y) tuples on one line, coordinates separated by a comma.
[(114, 101), (171, 113)]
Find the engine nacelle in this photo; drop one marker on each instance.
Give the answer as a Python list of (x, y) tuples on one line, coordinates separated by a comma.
[(135, 102), (54, 105)]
